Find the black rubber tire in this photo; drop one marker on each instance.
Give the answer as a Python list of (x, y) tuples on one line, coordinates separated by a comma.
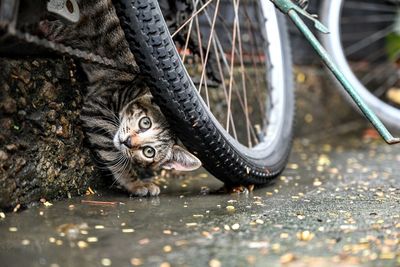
[(173, 90)]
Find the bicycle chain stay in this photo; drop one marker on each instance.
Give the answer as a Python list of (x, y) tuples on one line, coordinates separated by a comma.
[(70, 51), (8, 18)]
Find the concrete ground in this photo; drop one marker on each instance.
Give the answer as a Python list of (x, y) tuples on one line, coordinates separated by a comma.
[(337, 203)]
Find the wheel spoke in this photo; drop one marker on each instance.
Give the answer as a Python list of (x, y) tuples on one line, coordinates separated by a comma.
[(369, 7), (224, 86), (232, 81), (231, 70), (239, 84), (370, 58), (208, 48), (219, 45), (368, 40), (389, 82), (246, 108), (376, 73), (238, 95), (368, 19), (189, 32), (228, 34), (200, 44), (254, 44), (191, 18)]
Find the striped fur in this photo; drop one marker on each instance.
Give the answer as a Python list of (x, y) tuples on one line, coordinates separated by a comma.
[(116, 102)]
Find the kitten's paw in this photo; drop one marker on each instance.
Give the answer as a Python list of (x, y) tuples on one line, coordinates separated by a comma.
[(142, 189)]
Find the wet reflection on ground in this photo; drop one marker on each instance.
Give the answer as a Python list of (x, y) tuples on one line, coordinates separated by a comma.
[(337, 203)]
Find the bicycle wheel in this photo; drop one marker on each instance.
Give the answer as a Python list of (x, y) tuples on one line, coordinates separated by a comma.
[(365, 43), (235, 113)]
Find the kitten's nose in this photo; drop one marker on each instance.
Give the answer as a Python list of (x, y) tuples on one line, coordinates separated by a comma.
[(128, 142)]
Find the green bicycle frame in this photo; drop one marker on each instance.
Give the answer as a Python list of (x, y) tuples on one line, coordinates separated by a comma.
[(294, 12)]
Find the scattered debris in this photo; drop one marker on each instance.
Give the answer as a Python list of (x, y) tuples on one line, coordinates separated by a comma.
[(287, 258), (305, 236), (230, 208), (90, 191), (82, 244), (25, 242), (371, 134), (16, 208), (106, 262), (214, 263), (393, 94), (136, 261), (92, 239), (235, 226), (71, 230), (13, 229), (128, 230), (167, 249)]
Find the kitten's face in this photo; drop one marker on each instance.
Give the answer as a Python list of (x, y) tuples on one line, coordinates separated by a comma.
[(145, 138)]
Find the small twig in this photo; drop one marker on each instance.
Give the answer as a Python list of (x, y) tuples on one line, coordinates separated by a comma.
[(100, 203)]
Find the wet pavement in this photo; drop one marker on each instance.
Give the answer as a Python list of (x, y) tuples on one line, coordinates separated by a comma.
[(338, 203)]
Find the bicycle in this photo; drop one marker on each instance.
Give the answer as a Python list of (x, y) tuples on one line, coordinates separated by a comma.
[(221, 154), (369, 56), (241, 134)]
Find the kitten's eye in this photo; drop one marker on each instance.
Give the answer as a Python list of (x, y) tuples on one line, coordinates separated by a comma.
[(149, 152), (145, 123)]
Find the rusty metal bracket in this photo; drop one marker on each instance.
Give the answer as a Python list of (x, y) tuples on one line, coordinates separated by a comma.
[(68, 10)]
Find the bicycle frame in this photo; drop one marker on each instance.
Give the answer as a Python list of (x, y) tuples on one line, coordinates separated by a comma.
[(294, 11)]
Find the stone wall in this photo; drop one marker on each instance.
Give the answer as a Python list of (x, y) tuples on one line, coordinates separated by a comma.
[(41, 151)]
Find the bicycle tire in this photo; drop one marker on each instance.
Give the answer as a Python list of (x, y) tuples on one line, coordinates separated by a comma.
[(174, 91), (331, 17)]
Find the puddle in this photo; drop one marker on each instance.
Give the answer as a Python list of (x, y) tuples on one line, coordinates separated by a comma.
[(334, 204)]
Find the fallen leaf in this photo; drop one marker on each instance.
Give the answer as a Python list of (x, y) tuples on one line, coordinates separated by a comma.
[(394, 95)]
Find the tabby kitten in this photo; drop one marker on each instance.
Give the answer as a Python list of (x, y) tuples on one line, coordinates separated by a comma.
[(126, 130)]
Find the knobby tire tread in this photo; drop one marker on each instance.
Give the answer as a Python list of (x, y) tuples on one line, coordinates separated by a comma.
[(155, 54)]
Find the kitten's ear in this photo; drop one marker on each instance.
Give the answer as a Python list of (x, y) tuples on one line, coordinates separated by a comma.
[(182, 160)]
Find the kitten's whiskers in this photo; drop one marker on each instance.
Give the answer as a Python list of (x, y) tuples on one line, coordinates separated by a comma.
[(115, 118)]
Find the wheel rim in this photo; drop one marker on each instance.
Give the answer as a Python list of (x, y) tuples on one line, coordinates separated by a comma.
[(268, 137), (345, 50)]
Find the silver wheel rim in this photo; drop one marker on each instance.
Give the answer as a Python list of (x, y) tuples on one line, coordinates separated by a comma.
[(278, 93), (331, 11)]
